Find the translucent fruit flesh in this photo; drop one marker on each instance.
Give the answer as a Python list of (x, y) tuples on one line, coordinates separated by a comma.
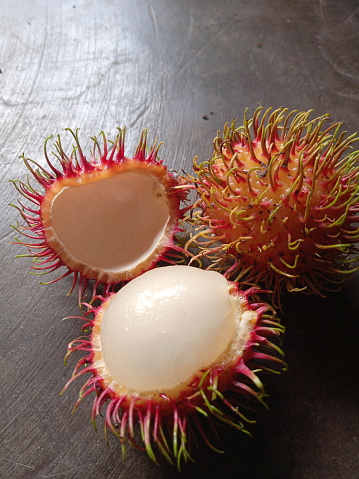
[(165, 327)]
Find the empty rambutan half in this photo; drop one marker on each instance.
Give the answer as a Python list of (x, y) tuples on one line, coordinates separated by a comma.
[(174, 348), (109, 218), (278, 203)]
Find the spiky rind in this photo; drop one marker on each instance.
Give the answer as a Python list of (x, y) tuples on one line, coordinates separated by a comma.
[(107, 158), (167, 425), (279, 203)]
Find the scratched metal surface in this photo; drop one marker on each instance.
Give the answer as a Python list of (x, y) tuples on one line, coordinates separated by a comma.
[(181, 68)]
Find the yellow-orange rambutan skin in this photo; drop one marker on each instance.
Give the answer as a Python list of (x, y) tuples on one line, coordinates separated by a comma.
[(278, 202)]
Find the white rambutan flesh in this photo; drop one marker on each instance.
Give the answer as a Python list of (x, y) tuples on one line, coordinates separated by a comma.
[(107, 219), (156, 334), (173, 345)]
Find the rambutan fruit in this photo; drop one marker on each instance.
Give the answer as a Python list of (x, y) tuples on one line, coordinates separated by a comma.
[(172, 349), (278, 203), (109, 218)]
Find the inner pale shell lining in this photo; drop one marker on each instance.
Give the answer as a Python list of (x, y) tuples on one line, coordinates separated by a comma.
[(112, 224)]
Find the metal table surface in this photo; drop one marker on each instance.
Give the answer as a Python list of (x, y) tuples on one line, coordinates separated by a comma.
[(182, 69)]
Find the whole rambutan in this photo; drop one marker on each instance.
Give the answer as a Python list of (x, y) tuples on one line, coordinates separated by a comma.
[(278, 203), (175, 348), (109, 218)]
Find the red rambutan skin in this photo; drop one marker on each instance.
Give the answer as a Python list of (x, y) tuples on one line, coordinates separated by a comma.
[(75, 169), (168, 425), (279, 203)]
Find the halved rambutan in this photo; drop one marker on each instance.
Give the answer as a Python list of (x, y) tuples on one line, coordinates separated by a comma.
[(279, 202), (109, 218), (173, 348)]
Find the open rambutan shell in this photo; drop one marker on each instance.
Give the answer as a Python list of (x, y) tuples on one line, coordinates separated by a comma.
[(173, 348), (107, 219), (278, 203)]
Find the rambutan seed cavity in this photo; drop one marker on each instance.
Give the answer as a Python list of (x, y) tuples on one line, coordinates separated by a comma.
[(109, 218), (92, 225), (175, 345)]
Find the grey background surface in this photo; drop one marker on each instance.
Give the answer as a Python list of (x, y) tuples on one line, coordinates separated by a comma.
[(181, 68)]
